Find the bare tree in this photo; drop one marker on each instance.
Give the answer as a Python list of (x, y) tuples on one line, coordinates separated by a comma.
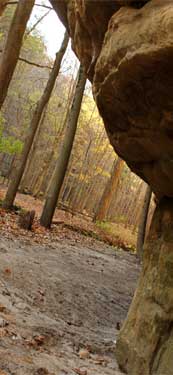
[(65, 151), (13, 45), (15, 181)]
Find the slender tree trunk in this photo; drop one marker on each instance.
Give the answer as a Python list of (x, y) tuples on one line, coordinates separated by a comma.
[(3, 4), (143, 222), (13, 45), (65, 151), (137, 199), (14, 183), (93, 188), (96, 163), (26, 178), (109, 191), (78, 189), (37, 188)]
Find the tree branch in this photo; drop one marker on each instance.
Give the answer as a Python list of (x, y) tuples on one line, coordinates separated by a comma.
[(37, 5), (32, 62), (37, 23), (43, 6)]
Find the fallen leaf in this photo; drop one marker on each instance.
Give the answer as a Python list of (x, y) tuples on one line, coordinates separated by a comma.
[(84, 354), (41, 371), (79, 371), (36, 341), (39, 339), (2, 308), (3, 332), (7, 271)]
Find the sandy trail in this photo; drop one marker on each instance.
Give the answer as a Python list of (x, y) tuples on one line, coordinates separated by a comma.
[(58, 299)]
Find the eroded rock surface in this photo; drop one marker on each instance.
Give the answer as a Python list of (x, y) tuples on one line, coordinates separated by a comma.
[(145, 345), (87, 22), (127, 49), (133, 85)]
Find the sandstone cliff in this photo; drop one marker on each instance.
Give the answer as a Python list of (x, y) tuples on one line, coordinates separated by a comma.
[(126, 47)]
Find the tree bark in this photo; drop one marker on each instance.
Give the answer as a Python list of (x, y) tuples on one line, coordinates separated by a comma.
[(143, 222), (145, 343), (13, 45), (109, 190), (14, 183), (65, 151), (3, 5), (28, 172)]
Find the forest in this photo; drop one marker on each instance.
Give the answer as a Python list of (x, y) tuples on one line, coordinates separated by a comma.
[(93, 169), (74, 217)]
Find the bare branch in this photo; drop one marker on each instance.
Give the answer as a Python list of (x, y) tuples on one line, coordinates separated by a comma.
[(36, 24), (12, 3), (37, 5), (35, 64), (43, 6), (32, 62)]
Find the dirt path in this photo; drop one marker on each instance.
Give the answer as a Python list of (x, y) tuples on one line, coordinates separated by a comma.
[(58, 299)]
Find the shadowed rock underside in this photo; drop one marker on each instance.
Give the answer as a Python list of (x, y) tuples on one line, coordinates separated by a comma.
[(126, 47)]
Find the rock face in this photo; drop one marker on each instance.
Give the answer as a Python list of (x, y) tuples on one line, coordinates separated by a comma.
[(145, 345), (133, 86), (126, 47)]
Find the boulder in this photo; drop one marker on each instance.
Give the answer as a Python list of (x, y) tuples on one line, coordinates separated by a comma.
[(126, 47), (133, 86)]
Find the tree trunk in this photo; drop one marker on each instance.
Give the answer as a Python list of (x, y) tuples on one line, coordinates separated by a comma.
[(37, 188), (3, 5), (143, 222), (109, 190), (26, 178), (14, 183), (65, 151), (13, 45), (145, 343)]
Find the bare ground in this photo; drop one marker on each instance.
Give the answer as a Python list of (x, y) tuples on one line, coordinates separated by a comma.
[(60, 298)]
